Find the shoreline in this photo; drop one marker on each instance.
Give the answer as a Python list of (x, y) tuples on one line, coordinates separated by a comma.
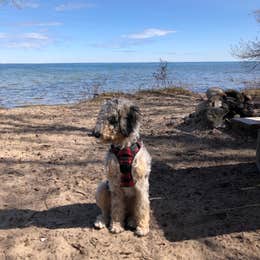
[(253, 91), (167, 90)]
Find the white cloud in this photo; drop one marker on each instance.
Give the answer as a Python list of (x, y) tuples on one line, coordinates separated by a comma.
[(132, 40), (121, 43), (73, 6), (149, 33), (30, 40), (22, 3), (28, 4), (24, 45), (35, 36)]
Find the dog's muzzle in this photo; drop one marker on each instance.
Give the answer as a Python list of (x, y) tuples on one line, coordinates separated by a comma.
[(96, 134)]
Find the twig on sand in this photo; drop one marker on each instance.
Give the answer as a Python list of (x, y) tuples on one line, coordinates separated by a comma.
[(80, 192), (156, 198), (46, 205), (78, 247), (250, 188)]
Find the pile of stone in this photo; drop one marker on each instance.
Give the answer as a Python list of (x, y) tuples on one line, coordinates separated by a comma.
[(219, 107)]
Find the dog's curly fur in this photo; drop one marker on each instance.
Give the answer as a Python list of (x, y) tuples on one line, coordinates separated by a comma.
[(118, 123)]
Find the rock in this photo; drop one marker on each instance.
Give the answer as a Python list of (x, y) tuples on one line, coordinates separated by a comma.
[(220, 107), (216, 101), (187, 120), (215, 91), (238, 103), (192, 115), (247, 97), (215, 117), (236, 95), (201, 106), (215, 132)]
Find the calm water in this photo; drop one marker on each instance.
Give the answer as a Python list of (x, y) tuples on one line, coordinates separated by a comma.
[(25, 84)]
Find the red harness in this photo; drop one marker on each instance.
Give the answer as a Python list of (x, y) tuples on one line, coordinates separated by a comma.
[(125, 158)]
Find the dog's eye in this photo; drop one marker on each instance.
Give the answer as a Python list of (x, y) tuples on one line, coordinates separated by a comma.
[(112, 120)]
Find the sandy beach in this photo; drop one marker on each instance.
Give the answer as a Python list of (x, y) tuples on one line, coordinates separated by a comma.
[(204, 185)]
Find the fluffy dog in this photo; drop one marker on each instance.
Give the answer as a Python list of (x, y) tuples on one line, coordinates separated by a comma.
[(124, 197)]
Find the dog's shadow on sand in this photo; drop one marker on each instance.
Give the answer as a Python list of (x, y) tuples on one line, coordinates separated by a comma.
[(196, 203), (68, 216)]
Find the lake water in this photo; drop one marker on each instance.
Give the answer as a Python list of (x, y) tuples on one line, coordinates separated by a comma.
[(25, 84)]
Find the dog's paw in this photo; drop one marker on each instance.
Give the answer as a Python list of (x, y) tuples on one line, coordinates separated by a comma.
[(100, 223), (141, 231), (116, 228)]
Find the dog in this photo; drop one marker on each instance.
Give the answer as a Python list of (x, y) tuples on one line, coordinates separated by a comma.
[(124, 196)]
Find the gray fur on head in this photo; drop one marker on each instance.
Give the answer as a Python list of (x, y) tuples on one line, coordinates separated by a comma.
[(118, 121), (129, 118)]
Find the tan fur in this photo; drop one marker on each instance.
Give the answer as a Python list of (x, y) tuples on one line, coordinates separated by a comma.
[(118, 204)]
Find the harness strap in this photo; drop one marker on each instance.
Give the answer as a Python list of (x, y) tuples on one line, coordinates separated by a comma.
[(125, 158)]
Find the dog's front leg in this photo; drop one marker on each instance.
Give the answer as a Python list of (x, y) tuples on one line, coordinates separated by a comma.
[(117, 212), (142, 211)]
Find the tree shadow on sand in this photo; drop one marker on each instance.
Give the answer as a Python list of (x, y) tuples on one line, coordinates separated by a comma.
[(189, 203), (194, 203), (68, 216)]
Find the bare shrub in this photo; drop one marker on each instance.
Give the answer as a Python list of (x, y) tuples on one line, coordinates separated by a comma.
[(248, 50), (161, 75)]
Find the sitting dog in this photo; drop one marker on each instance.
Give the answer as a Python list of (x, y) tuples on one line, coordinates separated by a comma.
[(124, 196)]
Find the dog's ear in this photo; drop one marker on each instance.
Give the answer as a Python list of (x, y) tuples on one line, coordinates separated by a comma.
[(114, 100), (129, 119)]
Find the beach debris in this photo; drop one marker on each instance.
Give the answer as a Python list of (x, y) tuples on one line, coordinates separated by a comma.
[(79, 247), (219, 107)]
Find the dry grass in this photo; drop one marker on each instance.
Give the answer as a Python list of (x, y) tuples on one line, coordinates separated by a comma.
[(254, 91), (169, 90), (109, 95)]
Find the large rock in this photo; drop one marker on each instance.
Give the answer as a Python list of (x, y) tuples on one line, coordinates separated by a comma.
[(215, 91), (238, 103), (214, 117), (220, 107)]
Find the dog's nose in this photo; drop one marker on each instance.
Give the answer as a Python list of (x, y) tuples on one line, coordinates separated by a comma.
[(92, 133), (97, 134)]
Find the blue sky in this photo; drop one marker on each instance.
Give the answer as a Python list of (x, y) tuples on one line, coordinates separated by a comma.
[(124, 30)]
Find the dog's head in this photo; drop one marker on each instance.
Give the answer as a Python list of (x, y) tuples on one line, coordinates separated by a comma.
[(117, 119)]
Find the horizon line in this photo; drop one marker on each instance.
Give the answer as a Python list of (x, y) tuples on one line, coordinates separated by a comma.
[(117, 62)]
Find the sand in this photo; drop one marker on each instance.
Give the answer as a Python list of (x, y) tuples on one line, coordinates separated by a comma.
[(204, 186)]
